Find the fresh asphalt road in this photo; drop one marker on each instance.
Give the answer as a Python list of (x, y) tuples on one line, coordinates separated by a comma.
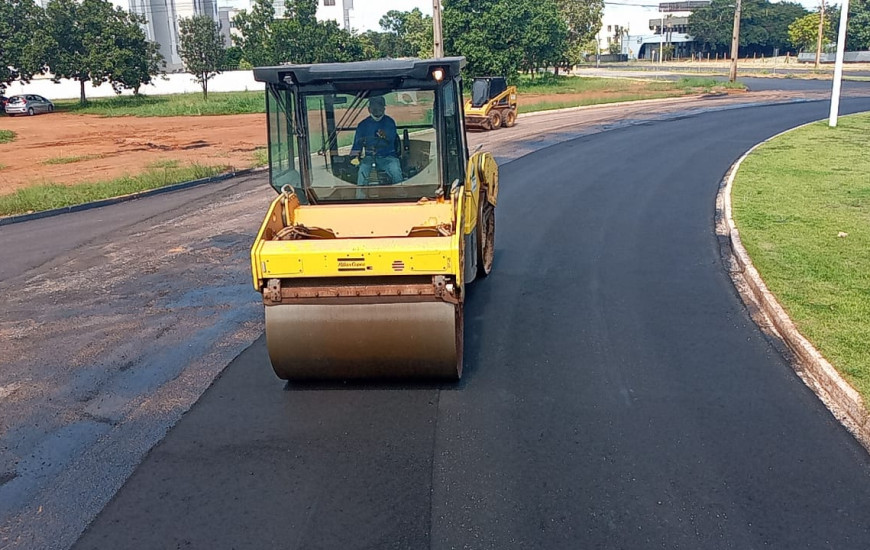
[(616, 394)]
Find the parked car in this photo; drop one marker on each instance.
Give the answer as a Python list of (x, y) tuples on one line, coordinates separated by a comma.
[(28, 104)]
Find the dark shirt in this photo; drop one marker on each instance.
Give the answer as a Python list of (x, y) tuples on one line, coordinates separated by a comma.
[(377, 137)]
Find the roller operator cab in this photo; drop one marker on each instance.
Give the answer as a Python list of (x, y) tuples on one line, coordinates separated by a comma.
[(381, 220)]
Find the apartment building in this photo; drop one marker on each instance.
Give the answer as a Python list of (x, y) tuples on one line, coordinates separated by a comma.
[(162, 25)]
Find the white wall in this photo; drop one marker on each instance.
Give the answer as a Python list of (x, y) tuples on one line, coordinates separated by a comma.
[(178, 83)]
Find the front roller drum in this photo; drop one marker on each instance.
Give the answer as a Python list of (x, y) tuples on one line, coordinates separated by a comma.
[(347, 341)]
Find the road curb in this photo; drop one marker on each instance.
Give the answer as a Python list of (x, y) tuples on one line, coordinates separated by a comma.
[(18, 218), (844, 402)]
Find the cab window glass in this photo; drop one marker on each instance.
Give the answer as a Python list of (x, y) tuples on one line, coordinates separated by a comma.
[(282, 159), (454, 163), (372, 145)]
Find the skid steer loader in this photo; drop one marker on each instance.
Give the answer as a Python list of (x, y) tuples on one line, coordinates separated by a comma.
[(493, 104), (381, 220)]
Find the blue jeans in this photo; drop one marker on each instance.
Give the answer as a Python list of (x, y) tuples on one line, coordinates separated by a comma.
[(389, 165)]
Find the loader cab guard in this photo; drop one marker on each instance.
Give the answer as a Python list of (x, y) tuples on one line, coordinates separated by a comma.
[(314, 116)]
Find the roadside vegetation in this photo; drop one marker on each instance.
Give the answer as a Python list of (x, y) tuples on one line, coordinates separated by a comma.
[(802, 205), (70, 160), (46, 196), (598, 91), (6, 136), (227, 103)]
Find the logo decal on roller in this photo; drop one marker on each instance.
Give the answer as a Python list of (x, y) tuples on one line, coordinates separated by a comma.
[(352, 264)]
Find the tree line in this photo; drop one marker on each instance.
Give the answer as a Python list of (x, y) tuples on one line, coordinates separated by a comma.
[(767, 27), (92, 41)]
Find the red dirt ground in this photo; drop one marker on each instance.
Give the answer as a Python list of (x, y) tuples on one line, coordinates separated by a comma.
[(119, 146)]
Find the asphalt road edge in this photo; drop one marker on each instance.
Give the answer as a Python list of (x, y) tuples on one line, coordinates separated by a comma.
[(17, 218), (844, 402)]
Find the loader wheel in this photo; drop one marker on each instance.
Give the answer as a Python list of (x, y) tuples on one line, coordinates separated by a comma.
[(510, 118), (486, 236), (495, 120)]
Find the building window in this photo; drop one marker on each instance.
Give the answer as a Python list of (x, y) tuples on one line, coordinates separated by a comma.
[(608, 28), (328, 2)]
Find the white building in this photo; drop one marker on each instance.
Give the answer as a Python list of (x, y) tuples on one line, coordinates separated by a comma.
[(642, 31), (228, 27), (162, 25), (335, 10)]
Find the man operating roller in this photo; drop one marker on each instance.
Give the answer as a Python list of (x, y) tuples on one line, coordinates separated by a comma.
[(375, 144)]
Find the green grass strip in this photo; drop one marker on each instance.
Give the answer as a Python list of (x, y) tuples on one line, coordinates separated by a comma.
[(7, 136), (802, 205), (70, 160), (228, 103), (52, 195)]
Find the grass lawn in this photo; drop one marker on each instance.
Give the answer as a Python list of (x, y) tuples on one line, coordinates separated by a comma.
[(802, 205), (228, 103), (51, 195), (606, 90), (70, 160), (6, 136)]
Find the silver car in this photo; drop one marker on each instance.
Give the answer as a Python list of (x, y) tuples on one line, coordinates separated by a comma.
[(28, 104)]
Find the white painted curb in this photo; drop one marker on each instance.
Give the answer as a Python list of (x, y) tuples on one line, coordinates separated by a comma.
[(844, 402)]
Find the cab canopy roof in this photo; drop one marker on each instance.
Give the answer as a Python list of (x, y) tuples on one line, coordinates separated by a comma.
[(378, 69)]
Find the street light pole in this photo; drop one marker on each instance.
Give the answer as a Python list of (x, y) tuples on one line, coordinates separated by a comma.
[(821, 30), (438, 44), (838, 68), (735, 43)]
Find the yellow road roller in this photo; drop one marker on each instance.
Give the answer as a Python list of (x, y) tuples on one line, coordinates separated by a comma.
[(381, 220)]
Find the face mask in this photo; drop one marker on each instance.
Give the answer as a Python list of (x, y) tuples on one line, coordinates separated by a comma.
[(377, 118)]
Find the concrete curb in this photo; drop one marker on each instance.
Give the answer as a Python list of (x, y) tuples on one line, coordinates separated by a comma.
[(844, 402), (8, 220)]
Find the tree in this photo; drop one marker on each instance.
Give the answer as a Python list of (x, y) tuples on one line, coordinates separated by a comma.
[(545, 38), (503, 36), (803, 33), (858, 33), (93, 41), (254, 28), (132, 60), (201, 48), (583, 18), (859, 25), (763, 25), (297, 38), (232, 58), (411, 33), (21, 54)]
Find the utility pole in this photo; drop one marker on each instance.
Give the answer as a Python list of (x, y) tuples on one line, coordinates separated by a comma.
[(735, 43), (438, 49), (838, 68), (821, 29), (662, 41)]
